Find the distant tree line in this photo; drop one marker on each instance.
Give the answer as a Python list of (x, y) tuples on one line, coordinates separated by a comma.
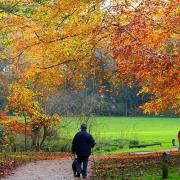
[(98, 97)]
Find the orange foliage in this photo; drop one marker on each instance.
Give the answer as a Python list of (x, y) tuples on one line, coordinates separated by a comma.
[(145, 45), (54, 43), (16, 126), (2, 116), (13, 125)]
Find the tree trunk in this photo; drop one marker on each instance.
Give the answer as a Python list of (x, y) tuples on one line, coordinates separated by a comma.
[(44, 136), (126, 110), (35, 140), (25, 134)]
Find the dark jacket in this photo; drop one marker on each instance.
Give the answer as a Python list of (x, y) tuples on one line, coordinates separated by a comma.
[(82, 144)]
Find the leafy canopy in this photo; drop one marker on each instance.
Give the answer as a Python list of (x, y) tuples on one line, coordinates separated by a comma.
[(52, 43)]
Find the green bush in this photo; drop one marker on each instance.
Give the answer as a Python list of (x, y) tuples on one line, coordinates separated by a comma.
[(134, 142)]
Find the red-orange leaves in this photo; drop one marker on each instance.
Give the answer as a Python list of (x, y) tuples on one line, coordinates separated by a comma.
[(145, 45)]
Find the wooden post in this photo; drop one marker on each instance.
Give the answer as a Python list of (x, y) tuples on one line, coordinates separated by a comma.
[(165, 159), (173, 142)]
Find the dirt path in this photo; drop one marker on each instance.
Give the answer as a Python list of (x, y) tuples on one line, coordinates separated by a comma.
[(59, 169), (44, 170)]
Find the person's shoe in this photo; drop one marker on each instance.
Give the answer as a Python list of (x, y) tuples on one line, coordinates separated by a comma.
[(78, 175), (84, 177)]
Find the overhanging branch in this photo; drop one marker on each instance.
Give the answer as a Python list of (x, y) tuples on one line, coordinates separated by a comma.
[(55, 65)]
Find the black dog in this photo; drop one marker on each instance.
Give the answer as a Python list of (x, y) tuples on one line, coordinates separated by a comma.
[(74, 167)]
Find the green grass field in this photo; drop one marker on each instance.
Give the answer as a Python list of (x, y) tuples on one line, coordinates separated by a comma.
[(110, 130)]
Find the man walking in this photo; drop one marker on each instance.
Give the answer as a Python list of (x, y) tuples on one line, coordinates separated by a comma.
[(81, 146)]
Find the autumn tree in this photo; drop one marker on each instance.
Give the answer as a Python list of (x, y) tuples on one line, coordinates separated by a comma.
[(24, 102), (52, 43), (46, 122), (10, 127), (144, 42)]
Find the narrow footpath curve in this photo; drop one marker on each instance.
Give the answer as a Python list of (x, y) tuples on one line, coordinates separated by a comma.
[(44, 170)]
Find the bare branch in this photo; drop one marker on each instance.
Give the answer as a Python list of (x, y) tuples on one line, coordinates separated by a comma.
[(55, 65), (67, 17)]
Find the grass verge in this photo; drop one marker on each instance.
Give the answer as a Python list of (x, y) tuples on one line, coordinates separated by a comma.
[(136, 167)]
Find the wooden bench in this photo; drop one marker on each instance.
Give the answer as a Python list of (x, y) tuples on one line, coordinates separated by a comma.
[(145, 145)]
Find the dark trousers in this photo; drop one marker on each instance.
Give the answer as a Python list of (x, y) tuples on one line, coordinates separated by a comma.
[(82, 163)]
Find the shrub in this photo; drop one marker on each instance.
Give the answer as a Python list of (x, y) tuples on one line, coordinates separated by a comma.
[(133, 142), (120, 144), (65, 147), (109, 148), (99, 146)]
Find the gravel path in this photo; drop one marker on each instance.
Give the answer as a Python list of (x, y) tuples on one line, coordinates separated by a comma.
[(44, 170), (54, 169)]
